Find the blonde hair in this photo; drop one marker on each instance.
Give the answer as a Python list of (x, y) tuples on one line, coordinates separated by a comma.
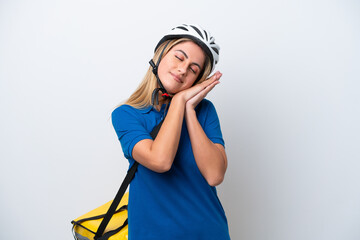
[(141, 98)]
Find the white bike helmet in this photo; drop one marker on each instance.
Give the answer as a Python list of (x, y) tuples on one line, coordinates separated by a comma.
[(197, 34), (200, 36)]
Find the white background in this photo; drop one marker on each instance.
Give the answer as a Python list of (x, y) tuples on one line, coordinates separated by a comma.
[(288, 104)]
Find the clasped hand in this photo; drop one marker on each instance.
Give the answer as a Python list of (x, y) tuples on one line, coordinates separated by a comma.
[(193, 96)]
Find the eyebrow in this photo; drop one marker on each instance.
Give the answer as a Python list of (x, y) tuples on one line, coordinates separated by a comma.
[(186, 56)]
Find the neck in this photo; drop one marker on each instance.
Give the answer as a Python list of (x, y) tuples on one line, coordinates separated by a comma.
[(162, 100)]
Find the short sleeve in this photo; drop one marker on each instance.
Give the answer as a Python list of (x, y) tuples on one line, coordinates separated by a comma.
[(129, 127), (210, 122)]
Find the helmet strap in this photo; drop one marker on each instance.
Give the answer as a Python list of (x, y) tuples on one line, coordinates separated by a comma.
[(155, 94)]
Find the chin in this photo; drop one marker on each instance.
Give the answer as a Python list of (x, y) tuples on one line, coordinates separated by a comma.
[(173, 92), (171, 89)]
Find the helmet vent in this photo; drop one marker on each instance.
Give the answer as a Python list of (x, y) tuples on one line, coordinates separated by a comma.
[(183, 28), (197, 34), (206, 36), (198, 31), (215, 50)]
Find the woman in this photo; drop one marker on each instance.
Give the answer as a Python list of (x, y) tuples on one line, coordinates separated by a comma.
[(173, 194)]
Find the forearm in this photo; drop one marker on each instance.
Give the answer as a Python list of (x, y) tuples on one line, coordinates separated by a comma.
[(167, 141), (210, 159), (158, 155)]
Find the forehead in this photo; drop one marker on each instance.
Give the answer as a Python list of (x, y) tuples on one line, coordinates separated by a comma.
[(192, 50)]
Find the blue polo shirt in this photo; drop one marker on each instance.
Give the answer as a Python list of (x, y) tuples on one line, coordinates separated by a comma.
[(177, 204)]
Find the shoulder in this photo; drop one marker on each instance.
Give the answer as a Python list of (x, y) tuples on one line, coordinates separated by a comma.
[(126, 110), (123, 109), (126, 115), (205, 106), (205, 110)]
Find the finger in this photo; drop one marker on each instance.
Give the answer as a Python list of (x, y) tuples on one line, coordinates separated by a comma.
[(201, 95), (210, 87), (216, 76), (204, 84), (209, 81), (196, 89)]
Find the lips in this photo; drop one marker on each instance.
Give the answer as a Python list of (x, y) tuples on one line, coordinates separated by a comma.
[(177, 78)]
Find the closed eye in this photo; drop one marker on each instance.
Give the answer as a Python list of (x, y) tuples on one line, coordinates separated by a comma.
[(179, 58), (193, 70)]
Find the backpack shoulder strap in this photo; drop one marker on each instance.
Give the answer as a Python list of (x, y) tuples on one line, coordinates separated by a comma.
[(124, 185)]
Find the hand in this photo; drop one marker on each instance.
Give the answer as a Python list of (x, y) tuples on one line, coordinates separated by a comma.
[(189, 93), (208, 85)]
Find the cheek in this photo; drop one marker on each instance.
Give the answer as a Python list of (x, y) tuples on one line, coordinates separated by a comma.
[(165, 66), (162, 70)]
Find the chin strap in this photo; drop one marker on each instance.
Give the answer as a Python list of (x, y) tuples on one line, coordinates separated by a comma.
[(155, 94)]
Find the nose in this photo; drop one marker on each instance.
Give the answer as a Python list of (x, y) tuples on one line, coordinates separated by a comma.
[(182, 68)]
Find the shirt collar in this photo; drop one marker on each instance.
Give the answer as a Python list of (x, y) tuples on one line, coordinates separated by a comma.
[(151, 108), (146, 109)]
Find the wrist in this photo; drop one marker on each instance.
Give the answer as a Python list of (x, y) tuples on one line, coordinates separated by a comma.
[(179, 98), (179, 104), (189, 111)]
